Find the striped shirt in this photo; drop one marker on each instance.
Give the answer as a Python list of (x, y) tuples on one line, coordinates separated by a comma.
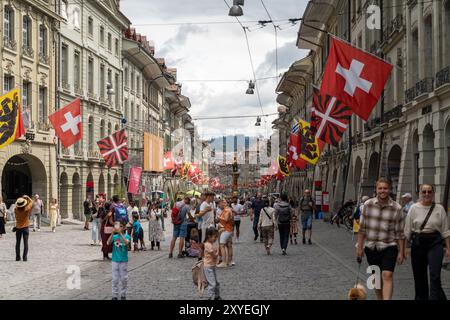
[(382, 225)]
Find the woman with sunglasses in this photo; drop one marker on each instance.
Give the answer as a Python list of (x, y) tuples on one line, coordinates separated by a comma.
[(426, 227)]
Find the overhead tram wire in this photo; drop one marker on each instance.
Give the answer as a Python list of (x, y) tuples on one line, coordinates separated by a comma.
[(232, 117), (276, 36)]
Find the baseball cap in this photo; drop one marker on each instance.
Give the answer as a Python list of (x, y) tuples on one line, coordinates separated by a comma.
[(407, 195)]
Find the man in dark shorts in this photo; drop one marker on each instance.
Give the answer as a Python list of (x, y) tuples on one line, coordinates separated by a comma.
[(381, 227)]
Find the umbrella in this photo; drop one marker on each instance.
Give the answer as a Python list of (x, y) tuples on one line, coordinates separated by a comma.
[(193, 193)]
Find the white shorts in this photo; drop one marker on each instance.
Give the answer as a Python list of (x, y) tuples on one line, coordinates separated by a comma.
[(225, 236)]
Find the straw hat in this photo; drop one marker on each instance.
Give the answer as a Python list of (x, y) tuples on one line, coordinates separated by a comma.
[(21, 202)]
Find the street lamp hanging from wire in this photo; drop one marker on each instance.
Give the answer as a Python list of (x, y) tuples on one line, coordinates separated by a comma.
[(251, 87), (236, 9)]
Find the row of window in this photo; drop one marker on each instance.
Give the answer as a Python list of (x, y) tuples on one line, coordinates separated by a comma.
[(135, 82), (27, 33), (27, 98), (102, 36)]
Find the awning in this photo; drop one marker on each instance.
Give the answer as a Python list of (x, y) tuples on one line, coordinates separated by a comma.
[(137, 55), (294, 79), (315, 18)]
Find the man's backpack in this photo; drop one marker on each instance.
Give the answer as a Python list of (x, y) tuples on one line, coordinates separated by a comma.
[(284, 214), (120, 214), (175, 212), (198, 277)]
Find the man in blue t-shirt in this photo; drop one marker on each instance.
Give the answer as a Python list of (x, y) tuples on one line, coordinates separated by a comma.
[(119, 243)]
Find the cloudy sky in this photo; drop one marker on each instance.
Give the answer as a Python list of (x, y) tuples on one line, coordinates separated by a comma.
[(218, 51)]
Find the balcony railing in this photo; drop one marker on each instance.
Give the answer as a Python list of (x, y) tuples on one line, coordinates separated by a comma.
[(394, 113), (28, 52), (357, 138), (372, 124), (66, 85), (424, 86), (43, 126), (92, 154), (443, 77), (10, 43), (66, 152), (78, 91)]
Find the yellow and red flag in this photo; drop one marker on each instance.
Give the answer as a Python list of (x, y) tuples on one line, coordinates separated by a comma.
[(310, 147), (11, 123)]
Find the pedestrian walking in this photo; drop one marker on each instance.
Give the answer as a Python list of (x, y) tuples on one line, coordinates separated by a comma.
[(37, 211), (294, 225), (137, 234), (210, 254), (179, 216), (237, 209), (207, 214), (22, 210), (382, 230), (106, 230), (119, 242), (257, 206), (191, 223), (283, 216), (306, 207), (53, 213), (407, 203), (198, 218), (3, 217), (155, 232), (267, 224), (426, 226), (226, 236), (88, 206)]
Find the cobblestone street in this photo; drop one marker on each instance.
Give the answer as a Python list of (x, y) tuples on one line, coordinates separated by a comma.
[(324, 270)]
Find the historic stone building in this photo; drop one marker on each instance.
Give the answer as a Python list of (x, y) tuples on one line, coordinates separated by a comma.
[(28, 55), (407, 137), (90, 68)]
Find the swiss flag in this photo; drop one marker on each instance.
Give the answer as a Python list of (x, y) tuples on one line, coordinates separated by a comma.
[(168, 161), (68, 123), (354, 77)]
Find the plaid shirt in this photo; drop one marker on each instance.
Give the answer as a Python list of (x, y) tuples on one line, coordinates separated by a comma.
[(382, 225)]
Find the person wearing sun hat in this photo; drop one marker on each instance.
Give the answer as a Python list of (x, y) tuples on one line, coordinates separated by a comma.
[(407, 200), (22, 211)]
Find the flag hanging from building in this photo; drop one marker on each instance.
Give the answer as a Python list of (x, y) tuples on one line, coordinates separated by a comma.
[(67, 123), (134, 180), (168, 161), (283, 166), (114, 148), (11, 123), (354, 77), (293, 158), (329, 117), (309, 145)]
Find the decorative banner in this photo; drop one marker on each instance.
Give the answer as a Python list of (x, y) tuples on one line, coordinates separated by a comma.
[(293, 157), (67, 123), (134, 180), (11, 123), (114, 148), (168, 161), (153, 153), (309, 144), (283, 166)]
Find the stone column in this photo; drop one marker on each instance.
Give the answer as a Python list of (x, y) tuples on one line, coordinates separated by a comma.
[(440, 161), (421, 33), (408, 48), (437, 35)]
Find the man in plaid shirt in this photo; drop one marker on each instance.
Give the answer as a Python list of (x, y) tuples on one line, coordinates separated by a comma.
[(381, 227)]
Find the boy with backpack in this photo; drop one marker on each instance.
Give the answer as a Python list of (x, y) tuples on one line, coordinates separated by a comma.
[(137, 233), (179, 214)]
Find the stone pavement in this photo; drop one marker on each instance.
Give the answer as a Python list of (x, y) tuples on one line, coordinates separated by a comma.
[(324, 270)]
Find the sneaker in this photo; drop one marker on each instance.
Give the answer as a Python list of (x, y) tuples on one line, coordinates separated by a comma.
[(291, 242), (309, 241), (34, 230), (304, 241), (123, 298), (39, 230), (170, 256), (114, 298), (284, 252), (25, 259), (92, 243), (217, 298), (180, 255), (222, 265), (54, 231), (295, 241), (17, 258), (233, 263), (256, 238)]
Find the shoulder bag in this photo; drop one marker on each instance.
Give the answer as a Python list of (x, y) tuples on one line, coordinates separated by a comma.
[(415, 236)]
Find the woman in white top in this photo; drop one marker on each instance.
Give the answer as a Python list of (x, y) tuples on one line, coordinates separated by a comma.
[(267, 225), (426, 244), (3, 217)]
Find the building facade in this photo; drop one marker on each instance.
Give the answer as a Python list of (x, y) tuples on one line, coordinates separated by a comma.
[(28, 55), (90, 69), (407, 137)]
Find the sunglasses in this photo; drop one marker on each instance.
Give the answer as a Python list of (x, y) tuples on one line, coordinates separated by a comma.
[(427, 192)]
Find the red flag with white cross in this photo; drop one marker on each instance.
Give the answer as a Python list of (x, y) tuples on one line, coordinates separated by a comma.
[(354, 77), (68, 123)]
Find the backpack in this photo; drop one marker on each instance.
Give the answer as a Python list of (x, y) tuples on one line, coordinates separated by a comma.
[(284, 214), (198, 277), (120, 213), (175, 212)]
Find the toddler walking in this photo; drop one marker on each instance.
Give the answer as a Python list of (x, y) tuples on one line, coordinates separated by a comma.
[(210, 255)]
